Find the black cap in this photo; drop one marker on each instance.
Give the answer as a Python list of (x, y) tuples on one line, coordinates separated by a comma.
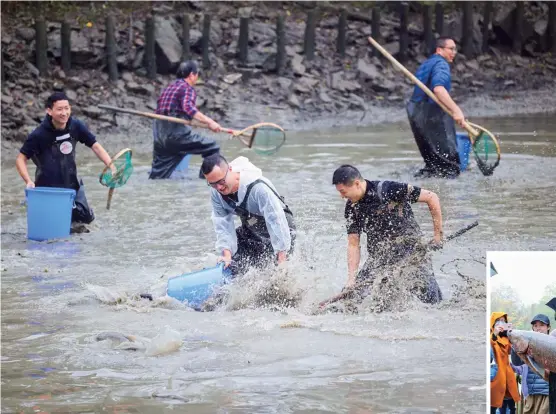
[(541, 318), (186, 68), (552, 304)]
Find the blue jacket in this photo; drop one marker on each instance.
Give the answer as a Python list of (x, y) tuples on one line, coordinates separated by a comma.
[(435, 71)]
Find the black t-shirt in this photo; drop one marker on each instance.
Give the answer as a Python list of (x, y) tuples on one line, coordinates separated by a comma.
[(53, 152), (384, 212)]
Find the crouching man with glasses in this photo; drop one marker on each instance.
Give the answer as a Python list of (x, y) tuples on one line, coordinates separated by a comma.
[(267, 232)]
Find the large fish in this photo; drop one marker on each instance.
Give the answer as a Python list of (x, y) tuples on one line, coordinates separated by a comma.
[(536, 349)]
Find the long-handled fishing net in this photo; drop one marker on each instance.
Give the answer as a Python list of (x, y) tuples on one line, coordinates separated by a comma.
[(264, 138), (485, 149), (116, 173), (485, 145)]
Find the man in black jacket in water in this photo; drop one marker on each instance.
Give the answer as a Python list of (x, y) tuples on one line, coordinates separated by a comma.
[(173, 141), (382, 210)]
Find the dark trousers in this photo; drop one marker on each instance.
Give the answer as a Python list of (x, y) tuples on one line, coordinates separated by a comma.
[(435, 135), (423, 283), (81, 212), (172, 142)]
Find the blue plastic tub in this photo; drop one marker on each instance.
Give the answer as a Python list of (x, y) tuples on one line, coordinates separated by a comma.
[(464, 148), (197, 287), (49, 212)]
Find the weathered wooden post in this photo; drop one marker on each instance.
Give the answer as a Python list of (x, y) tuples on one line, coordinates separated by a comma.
[(150, 53), (467, 29), (66, 47), (404, 36), (185, 50), (487, 15), (41, 47), (111, 51), (517, 42), (375, 28), (309, 44), (280, 46), (341, 41), (206, 41), (439, 18), (428, 37), (551, 28), (243, 42)]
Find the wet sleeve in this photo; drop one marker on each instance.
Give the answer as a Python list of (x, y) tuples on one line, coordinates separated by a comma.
[(440, 74), (224, 227), (84, 135), (353, 224), (30, 147), (393, 191), (273, 212)]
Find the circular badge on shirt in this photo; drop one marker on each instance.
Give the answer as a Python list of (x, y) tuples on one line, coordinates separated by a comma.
[(66, 147)]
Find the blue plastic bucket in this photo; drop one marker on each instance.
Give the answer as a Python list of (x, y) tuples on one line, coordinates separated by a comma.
[(197, 287), (49, 212), (464, 147)]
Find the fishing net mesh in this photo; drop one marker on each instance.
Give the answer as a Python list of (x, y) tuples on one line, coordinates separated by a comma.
[(267, 140), (123, 168), (486, 153)]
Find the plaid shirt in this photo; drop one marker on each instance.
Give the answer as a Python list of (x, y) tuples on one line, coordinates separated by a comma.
[(177, 98)]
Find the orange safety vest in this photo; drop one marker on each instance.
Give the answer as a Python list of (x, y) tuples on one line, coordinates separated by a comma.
[(504, 383)]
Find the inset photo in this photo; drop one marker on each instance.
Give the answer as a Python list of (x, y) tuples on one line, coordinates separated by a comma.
[(522, 332)]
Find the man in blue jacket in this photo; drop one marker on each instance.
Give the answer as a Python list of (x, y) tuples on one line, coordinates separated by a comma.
[(51, 146), (433, 129)]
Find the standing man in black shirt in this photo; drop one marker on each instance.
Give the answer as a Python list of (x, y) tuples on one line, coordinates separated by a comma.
[(382, 210)]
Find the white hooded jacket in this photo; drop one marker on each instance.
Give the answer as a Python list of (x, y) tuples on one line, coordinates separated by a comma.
[(262, 201)]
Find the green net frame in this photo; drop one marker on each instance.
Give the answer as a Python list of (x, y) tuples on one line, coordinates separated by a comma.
[(486, 151), (123, 168), (267, 139)]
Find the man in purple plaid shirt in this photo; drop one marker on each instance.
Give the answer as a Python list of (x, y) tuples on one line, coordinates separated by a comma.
[(173, 141)]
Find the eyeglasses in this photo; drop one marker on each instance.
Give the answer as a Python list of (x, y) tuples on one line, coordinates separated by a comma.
[(222, 181), (453, 48)]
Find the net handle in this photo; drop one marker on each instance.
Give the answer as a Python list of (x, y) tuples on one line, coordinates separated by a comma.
[(118, 155), (166, 118), (251, 132)]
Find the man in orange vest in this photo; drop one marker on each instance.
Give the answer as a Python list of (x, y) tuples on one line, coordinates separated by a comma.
[(503, 388)]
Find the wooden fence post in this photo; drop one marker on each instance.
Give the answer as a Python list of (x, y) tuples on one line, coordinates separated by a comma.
[(66, 47), (185, 50), (150, 53), (487, 14), (309, 45), (375, 28), (41, 47), (341, 42), (439, 18), (428, 37), (243, 42), (404, 36), (206, 41), (280, 45), (111, 51)]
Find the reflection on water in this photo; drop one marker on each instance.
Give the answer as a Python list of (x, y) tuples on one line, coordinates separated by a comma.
[(56, 297)]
